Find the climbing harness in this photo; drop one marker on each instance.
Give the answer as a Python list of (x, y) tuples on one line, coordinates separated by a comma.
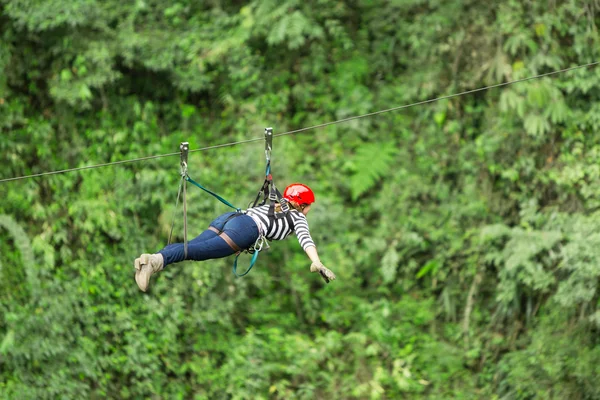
[(268, 191)]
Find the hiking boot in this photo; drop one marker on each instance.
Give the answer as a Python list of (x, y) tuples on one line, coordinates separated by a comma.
[(145, 267)]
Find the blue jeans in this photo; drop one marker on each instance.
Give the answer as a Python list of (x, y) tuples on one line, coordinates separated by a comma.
[(208, 245)]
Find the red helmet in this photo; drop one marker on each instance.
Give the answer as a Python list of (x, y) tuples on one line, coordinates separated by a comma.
[(299, 193)]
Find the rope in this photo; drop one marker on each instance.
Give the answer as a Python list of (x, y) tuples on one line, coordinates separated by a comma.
[(185, 237), (175, 210), (310, 127)]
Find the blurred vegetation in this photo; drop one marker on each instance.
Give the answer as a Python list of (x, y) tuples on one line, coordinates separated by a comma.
[(464, 233)]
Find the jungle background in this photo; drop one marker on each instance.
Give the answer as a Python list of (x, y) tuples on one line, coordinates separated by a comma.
[(465, 233)]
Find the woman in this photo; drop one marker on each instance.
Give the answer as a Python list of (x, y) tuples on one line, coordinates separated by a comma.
[(233, 232)]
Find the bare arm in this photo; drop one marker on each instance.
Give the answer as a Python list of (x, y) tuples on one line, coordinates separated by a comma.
[(311, 252)]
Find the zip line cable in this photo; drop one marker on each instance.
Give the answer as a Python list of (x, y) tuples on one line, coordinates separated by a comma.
[(88, 167), (439, 98), (310, 127)]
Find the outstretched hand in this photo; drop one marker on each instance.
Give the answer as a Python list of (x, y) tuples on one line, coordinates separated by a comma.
[(325, 272)]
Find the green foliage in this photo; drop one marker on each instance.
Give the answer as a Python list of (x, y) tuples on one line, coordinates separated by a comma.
[(22, 244), (464, 233), (371, 162)]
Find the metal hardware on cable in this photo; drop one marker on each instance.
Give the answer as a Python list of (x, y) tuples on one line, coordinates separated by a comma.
[(183, 151), (268, 143), (264, 190), (184, 148)]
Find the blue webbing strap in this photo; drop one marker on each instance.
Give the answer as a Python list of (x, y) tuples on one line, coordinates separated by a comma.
[(222, 200), (252, 262)]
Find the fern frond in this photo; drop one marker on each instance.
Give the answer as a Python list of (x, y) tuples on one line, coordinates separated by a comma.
[(372, 162), (23, 244)]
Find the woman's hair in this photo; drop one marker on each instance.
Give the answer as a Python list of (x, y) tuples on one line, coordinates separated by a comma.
[(293, 205)]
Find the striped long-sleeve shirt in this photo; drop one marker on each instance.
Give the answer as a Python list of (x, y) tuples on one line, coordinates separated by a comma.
[(279, 229)]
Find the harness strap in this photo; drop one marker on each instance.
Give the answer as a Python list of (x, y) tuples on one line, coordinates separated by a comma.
[(254, 249), (185, 236), (226, 238), (252, 262), (273, 216), (175, 209), (290, 221), (222, 200), (183, 148), (264, 190)]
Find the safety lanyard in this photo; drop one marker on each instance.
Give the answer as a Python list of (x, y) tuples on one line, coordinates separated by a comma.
[(268, 190)]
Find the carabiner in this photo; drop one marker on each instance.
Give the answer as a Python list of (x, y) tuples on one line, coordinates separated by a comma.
[(184, 148), (268, 143)]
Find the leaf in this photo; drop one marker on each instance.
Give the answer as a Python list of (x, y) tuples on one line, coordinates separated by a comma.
[(538, 95), (66, 75), (431, 266), (372, 161), (23, 243), (512, 101), (557, 111), (389, 264), (492, 232), (8, 342), (440, 118), (536, 124)]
